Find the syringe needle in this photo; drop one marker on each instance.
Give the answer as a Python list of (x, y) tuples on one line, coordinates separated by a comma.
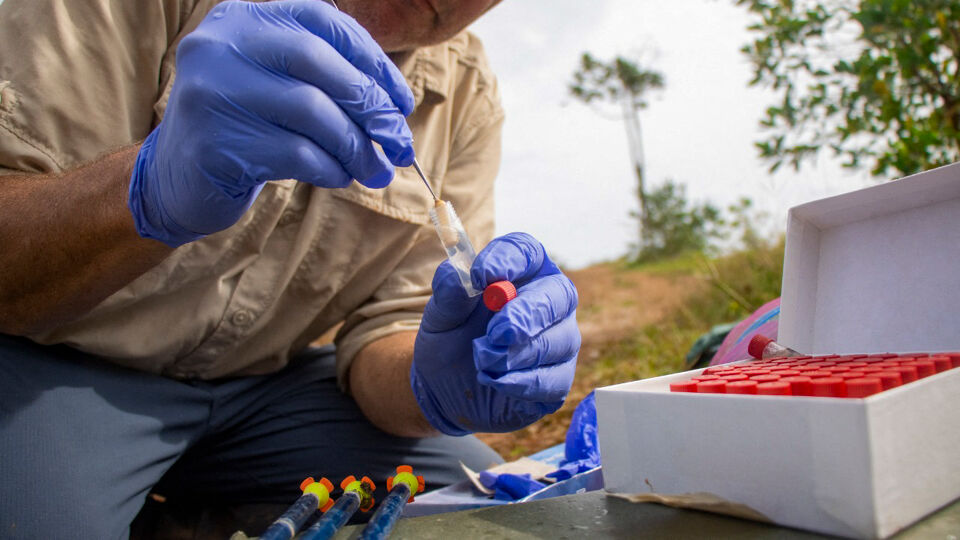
[(416, 165)]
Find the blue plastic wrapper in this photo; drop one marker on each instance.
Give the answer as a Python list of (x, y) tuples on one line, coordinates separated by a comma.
[(582, 452), (510, 487)]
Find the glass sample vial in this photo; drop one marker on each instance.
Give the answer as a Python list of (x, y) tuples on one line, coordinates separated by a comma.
[(761, 347), (455, 242)]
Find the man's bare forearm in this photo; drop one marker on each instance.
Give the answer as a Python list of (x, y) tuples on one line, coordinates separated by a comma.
[(380, 383), (68, 241)]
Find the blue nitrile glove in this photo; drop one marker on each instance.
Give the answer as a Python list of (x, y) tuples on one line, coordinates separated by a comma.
[(474, 370), (510, 487), (582, 450), (268, 91)]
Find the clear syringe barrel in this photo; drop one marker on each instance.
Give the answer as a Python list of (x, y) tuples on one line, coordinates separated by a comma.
[(455, 242)]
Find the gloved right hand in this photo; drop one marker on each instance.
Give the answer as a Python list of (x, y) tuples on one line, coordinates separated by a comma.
[(268, 91)]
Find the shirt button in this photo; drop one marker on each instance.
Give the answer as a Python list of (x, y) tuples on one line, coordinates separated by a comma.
[(288, 218), (242, 317)]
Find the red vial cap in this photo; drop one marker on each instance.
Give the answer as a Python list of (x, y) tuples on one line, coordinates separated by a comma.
[(773, 389), (799, 385), (712, 387), (770, 377), (757, 344), (804, 369), (818, 374), (836, 369), (907, 373), (863, 387), (742, 387), (954, 359), (941, 363), (888, 379), (685, 386), (497, 294), (700, 378), (787, 373), (856, 364), (828, 387), (753, 372), (870, 369), (733, 377), (852, 374), (925, 368)]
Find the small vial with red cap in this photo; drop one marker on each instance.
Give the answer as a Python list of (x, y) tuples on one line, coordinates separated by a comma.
[(461, 254), (762, 347)]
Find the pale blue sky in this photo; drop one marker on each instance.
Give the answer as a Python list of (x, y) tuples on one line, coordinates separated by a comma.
[(566, 174)]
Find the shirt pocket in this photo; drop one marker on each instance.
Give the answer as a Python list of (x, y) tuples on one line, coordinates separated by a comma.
[(406, 198)]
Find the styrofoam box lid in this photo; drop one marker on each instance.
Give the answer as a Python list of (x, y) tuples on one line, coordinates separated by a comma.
[(875, 270)]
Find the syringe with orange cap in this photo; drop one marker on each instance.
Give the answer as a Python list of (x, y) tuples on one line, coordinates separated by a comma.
[(460, 251)]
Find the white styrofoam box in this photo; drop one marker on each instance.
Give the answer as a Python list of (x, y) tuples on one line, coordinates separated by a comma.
[(874, 270), (851, 467)]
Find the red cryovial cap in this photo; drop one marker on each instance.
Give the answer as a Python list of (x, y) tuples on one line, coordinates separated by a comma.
[(828, 387), (752, 372), (907, 373), (851, 375), (941, 363), (497, 294), (799, 385), (856, 364), (685, 386), (742, 387), (803, 369), (765, 378), (734, 377), (787, 373), (925, 368), (836, 369), (818, 374), (773, 389), (699, 378), (870, 369), (712, 387), (715, 370), (863, 387), (757, 344), (954, 359), (888, 379)]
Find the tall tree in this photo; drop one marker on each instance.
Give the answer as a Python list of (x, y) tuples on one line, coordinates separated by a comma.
[(875, 81), (623, 84)]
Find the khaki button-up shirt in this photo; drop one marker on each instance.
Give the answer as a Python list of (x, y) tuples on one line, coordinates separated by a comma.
[(83, 77)]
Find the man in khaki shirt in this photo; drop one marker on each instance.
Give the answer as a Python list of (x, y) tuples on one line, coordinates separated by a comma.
[(166, 292)]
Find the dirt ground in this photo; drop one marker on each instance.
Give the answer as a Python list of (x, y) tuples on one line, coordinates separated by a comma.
[(614, 303)]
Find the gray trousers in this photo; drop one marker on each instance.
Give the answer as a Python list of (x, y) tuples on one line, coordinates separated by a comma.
[(83, 442)]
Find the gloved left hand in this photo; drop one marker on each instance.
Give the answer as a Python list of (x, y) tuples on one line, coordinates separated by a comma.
[(474, 370)]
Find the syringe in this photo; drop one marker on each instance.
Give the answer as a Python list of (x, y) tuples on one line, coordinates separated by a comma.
[(460, 251)]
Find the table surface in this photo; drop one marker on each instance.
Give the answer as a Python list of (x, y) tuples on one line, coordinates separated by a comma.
[(598, 515)]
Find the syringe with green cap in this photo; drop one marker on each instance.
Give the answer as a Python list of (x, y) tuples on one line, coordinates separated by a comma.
[(460, 251)]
